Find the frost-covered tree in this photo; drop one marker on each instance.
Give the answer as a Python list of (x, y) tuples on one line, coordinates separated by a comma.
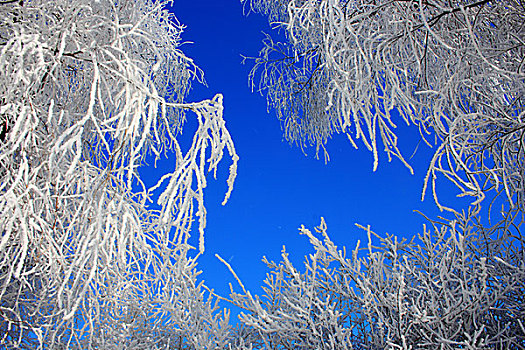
[(455, 286), (454, 68), (88, 91)]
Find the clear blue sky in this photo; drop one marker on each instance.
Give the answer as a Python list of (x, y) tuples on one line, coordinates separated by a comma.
[(278, 188)]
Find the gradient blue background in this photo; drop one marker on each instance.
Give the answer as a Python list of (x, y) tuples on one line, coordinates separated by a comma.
[(278, 188)]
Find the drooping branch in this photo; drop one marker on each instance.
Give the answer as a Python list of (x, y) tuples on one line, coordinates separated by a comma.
[(88, 91), (454, 69)]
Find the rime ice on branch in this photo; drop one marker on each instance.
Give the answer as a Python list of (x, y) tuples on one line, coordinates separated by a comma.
[(454, 68), (88, 90), (455, 286)]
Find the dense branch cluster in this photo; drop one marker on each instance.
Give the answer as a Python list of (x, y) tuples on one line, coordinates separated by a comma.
[(457, 286), (454, 68), (88, 90)]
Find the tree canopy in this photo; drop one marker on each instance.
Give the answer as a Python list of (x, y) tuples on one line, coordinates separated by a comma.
[(88, 89), (453, 68), (92, 256), (449, 288)]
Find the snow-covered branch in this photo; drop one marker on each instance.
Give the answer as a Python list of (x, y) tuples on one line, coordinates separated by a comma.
[(456, 285), (455, 69), (88, 90)]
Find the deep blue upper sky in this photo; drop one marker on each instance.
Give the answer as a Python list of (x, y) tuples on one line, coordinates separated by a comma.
[(278, 188)]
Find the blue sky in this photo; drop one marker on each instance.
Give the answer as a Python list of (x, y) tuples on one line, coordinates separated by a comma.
[(278, 188)]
